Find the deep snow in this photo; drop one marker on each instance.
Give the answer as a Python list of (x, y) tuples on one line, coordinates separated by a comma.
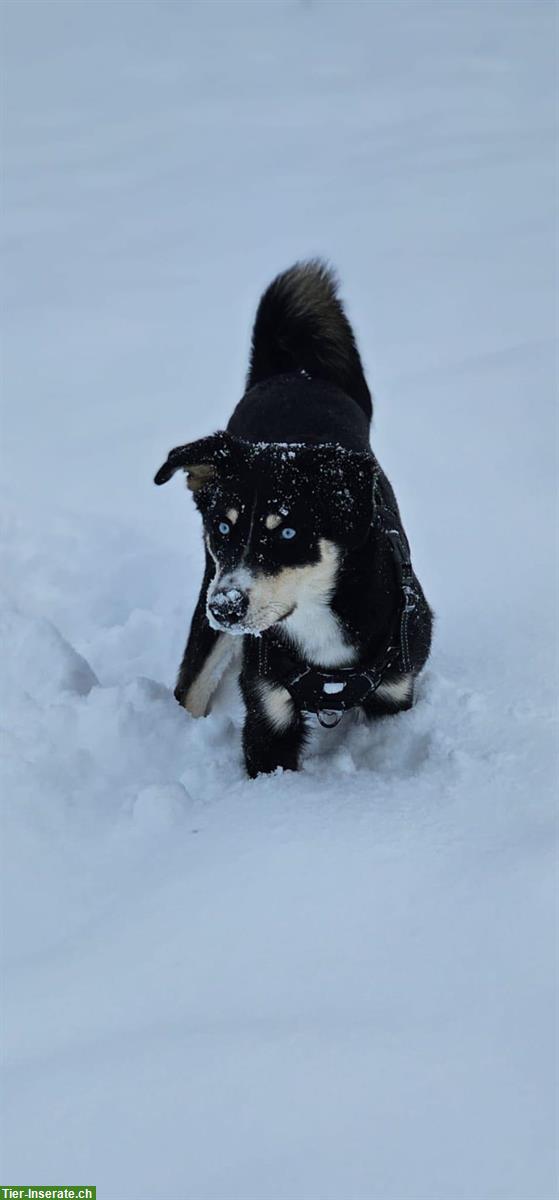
[(338, 984)]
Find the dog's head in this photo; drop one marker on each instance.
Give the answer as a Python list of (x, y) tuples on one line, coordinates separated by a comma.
[(278, 520)]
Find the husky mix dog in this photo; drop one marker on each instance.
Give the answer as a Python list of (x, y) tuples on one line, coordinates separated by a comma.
[(308, 569)]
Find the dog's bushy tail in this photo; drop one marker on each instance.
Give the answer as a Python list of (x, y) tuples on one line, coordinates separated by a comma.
[(301, 325)]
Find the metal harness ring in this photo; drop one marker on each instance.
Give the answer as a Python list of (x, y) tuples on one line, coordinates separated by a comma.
[(323, 713)]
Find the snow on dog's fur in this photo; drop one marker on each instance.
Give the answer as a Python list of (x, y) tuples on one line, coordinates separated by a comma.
[(295, 565)]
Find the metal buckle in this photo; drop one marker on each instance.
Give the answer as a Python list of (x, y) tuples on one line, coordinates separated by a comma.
[(410, 597), (324, 713)]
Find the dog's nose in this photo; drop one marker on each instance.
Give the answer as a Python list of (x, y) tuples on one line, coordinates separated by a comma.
[(228, 606)]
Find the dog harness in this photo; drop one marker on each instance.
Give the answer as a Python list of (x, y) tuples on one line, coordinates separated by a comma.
[(330, 692)]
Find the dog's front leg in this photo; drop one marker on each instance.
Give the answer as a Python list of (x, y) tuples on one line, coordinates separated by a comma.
[(204, 658), (274, 732)]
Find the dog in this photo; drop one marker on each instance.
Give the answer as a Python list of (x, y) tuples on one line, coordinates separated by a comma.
[(307, 563)]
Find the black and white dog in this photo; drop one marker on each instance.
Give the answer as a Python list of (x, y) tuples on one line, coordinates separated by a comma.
[(307, 563)]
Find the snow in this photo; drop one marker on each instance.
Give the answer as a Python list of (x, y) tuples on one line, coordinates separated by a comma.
[(338, 983)]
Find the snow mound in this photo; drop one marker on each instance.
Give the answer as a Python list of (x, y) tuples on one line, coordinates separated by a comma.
[(40, 662)]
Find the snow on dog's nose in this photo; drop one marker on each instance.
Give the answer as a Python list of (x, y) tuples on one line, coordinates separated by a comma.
[(228, 606)]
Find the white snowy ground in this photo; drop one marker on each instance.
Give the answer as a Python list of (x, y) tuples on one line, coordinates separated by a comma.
[(336, 985)]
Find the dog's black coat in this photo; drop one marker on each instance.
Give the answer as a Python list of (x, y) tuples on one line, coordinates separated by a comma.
[(297, 444)]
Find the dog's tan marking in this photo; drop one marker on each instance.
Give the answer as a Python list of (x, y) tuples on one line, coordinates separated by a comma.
[(272, 521), (198, 475), (199, 695), (397, 691), (232, 515), (277, 705)]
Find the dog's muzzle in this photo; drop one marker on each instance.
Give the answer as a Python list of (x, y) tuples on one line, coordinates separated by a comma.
[(228, 607)]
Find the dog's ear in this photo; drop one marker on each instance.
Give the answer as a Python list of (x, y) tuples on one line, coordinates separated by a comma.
[(345, 491), (201, 460)]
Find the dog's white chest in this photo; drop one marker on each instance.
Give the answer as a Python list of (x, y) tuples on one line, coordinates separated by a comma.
[(313, 626), (318, 636)]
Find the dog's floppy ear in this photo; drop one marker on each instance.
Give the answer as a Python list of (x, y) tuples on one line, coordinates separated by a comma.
[(201, 460), (345, 491)]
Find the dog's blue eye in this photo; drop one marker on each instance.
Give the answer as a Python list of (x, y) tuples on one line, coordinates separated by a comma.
[(288, 534), (224, 527)]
